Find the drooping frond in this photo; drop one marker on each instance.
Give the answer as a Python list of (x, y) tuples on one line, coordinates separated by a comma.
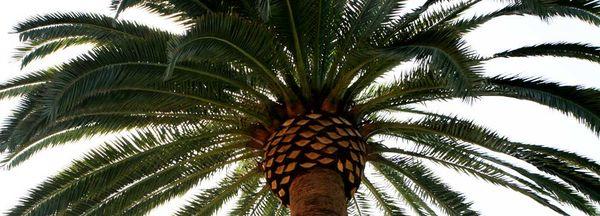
[(407, 190), (384, 201), (581, 103), (585, 10), (117, 166), (572, 50), (47, 34), (449, 153), (466, 131), (575, 101), (428, 185), (24, 84), (209, 201), (211, 40), (359, 205)]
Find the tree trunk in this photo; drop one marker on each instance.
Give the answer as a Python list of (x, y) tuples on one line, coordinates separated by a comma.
[(318, 192)]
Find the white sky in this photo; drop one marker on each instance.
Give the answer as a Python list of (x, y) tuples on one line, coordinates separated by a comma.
[(522, 121)]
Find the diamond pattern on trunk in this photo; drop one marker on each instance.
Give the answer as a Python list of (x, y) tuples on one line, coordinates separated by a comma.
[(314, 140)]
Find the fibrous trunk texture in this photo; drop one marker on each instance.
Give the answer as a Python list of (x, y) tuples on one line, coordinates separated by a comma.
[(314, 143), (318, 192)]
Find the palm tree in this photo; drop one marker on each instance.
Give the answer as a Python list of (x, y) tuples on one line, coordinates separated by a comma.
[(283, 95)]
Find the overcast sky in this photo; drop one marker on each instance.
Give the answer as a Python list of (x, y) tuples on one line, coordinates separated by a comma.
[(522, 121)]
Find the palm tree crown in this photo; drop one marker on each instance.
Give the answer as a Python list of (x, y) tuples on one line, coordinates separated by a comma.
[(226, 93)]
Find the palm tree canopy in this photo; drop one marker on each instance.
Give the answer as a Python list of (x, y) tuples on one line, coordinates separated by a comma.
[(191, 105)]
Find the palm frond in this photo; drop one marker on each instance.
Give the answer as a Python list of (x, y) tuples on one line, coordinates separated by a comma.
[(384, 201), (579, 102), (477, 135), (585, 10), (210, 200), (106, 166), (449, 153), (572, 50), (360, 205), (429, 186), (405, 188), (253, 44), (444, 51)]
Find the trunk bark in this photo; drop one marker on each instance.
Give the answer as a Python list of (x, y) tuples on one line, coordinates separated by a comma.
[(318, 192)]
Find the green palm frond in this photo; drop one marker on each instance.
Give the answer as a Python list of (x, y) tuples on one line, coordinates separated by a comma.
[(200, 173), (270, 205), (249, 199), (253, 46), (39, 50), (118, 164), (579, 102), (464, 159), (585, 10), (428, 185), (360, 205), (209, 201), (572, 50), (446, 53), (63, 25), (474, 134), (384, 201), (406, 189), (421, 86)]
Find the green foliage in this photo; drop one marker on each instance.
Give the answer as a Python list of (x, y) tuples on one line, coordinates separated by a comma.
[(384, 201), (428, 185), (210, 200), (186, 107), (573, 50)]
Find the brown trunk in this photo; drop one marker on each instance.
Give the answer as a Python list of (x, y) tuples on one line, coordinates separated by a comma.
[(318, 192)]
